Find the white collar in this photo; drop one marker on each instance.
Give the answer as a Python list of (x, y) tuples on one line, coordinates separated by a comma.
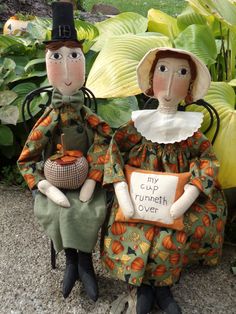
[(166, 128)]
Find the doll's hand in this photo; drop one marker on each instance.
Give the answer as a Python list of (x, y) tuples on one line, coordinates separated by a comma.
[(191, 192), (123, 197), (53, 193), (87, 190)]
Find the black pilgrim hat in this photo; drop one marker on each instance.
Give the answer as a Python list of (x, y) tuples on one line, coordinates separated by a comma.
[(63, 27)]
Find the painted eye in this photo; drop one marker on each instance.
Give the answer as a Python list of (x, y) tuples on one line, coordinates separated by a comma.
[(74, 55), (183, 72), (56, 56), (162, 68)]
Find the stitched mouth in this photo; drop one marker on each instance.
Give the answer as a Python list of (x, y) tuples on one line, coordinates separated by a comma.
[(167, 99), (68, 84)]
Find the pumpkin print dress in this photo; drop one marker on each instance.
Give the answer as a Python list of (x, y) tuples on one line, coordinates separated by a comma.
[(77, 226), (143, 253)]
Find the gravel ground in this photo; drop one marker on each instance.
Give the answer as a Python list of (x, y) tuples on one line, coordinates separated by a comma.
[(29, 285)]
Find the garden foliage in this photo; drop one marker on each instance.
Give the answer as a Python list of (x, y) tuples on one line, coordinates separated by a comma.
[(113, 49)]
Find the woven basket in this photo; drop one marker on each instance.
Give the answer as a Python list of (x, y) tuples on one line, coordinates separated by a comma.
[(67, 176)]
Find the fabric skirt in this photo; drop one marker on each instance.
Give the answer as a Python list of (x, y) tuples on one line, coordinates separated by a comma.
[(74, 227), (143, 253)]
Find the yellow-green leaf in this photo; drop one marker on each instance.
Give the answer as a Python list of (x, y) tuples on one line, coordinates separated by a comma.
[(222, 97), (124, 23), (163, 23), (113, 73)]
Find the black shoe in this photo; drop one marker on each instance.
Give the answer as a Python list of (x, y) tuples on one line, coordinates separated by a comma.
[(71, 271), (145, 299), (165, 300), (87, 274)]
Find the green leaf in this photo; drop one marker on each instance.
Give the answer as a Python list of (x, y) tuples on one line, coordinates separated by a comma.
[(11, 44), (34, 106), (113, 73), (7, 97), (20, 62), (7, 41), (163, 23), (6, 135), (117, 111), (1, 83), (222, 96), (223, 10), (89, 59), (9, 64), (24, 88), (86, 32), (199, 40), (7, 72), (38, 28), (189, 17), (233, 83), (9, 115), (31, 64), (34, 68), (200, 7), (124, 23)]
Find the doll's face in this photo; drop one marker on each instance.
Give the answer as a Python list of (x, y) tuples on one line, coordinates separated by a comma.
[(171, 81), (66, 69)]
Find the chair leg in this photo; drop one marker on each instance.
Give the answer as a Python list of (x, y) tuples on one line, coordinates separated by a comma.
[(53, 256)]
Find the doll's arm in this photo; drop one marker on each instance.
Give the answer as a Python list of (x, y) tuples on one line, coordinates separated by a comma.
[(189, 196), (53, 193), (30, 161), (123, 197), (87, 190)]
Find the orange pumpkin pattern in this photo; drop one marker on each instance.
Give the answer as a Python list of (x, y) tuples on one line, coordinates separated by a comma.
[(36, 135), (46, 121), (48, 124), (153, 254), (137, 264), (118, 228), (30, 180), (110, 264), (117, 247), (93, 120), (149, 234), (168, 243), (159, 270)]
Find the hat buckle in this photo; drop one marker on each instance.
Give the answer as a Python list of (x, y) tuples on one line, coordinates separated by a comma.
[(64, 31)]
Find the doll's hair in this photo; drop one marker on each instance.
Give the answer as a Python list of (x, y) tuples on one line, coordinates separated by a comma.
[(173, 54), (58, 44)]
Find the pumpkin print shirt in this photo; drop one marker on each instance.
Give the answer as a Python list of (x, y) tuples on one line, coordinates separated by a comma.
[(192, 155), (31, 160)]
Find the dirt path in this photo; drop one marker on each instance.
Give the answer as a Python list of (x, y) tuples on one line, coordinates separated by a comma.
[(28, 284)]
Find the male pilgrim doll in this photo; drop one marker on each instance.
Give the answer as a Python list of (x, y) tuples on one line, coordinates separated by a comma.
[(72, 215), (144, 254)]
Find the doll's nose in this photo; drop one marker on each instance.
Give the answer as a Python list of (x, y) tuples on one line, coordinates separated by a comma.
[(169, 84), (66, 70)]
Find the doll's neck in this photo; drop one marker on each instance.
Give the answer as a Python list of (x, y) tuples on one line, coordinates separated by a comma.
[(163, 108)]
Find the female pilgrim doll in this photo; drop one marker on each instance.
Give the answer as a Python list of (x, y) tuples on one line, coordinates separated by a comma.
[(70, 217), (148, 256)]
